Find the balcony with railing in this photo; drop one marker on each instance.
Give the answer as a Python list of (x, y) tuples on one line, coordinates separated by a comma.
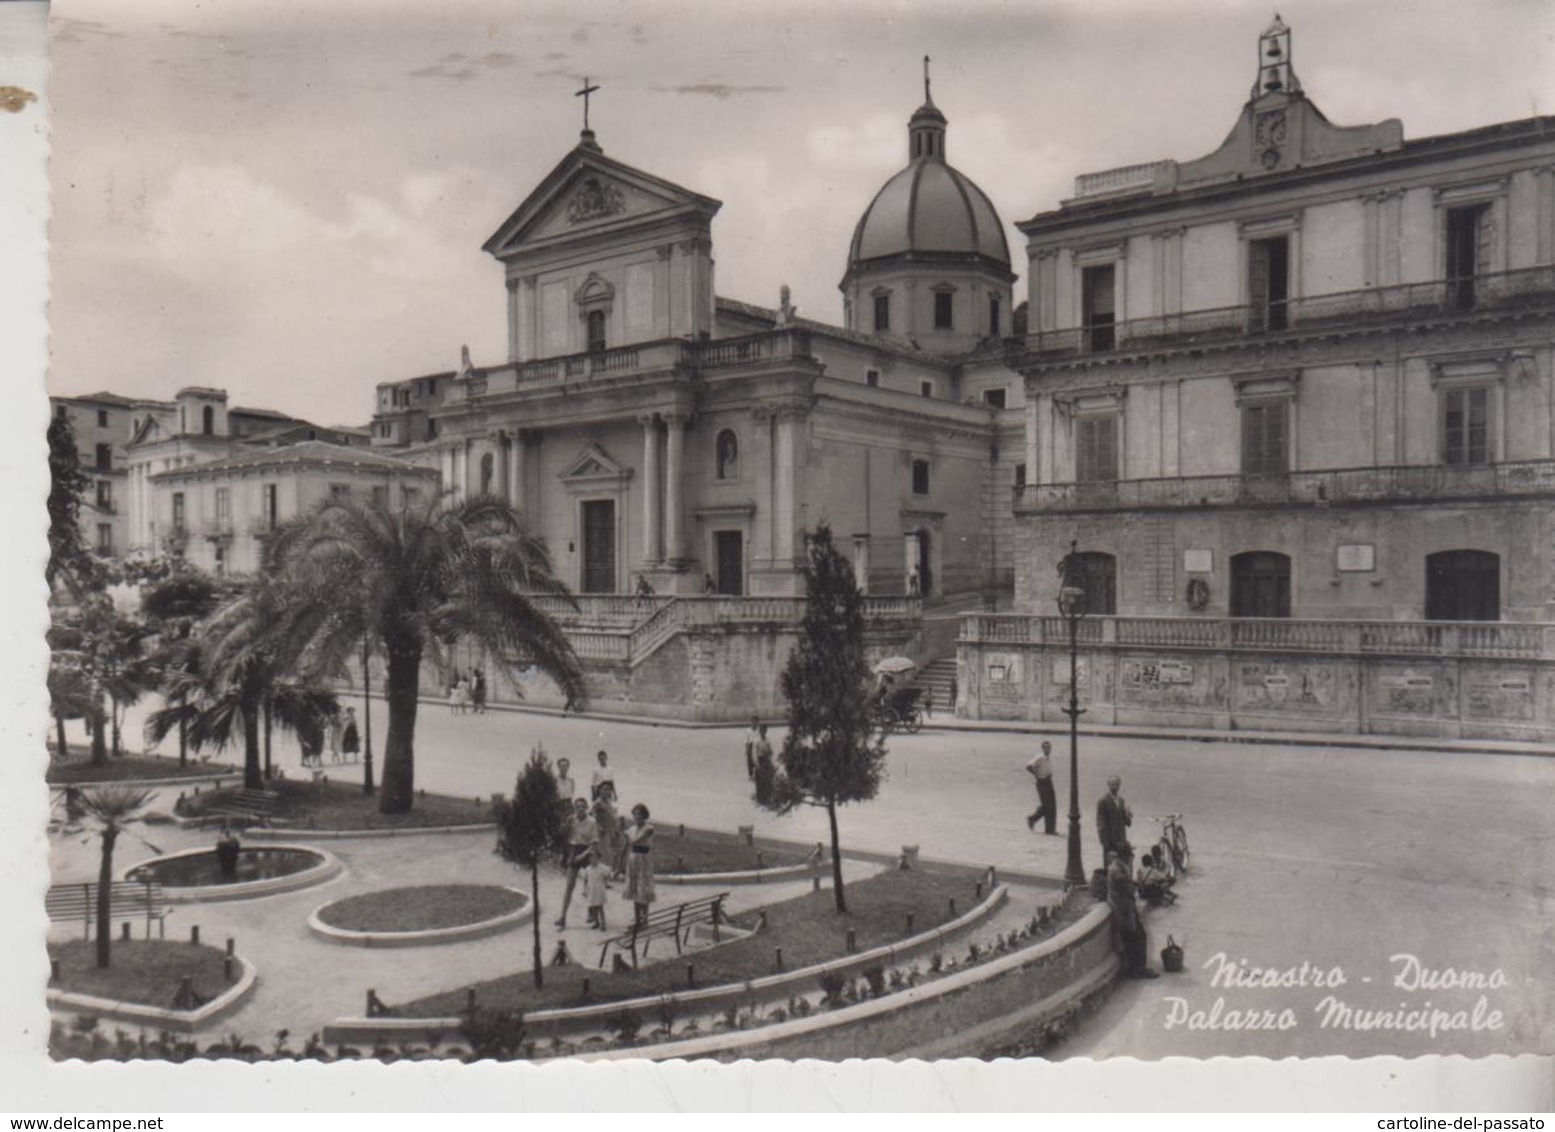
[(667, 354), (1509, 640), (1394, 483), (1403, 303)]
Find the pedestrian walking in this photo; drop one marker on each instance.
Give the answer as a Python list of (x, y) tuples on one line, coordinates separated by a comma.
[(582, 834), (478, 692), (595, 887), (639, 865), (334, 735), (752, 734), (1113, 817), (1041, 769)]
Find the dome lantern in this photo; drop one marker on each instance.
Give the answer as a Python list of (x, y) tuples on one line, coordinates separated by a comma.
[(926, 128)]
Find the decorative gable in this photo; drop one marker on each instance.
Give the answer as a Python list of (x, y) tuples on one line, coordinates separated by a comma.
[(589, 193), (594, 468)]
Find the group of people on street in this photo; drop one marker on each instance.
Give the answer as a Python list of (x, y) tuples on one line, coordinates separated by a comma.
[(467, 693), (339, 738), (603, 847), (1113, 819)]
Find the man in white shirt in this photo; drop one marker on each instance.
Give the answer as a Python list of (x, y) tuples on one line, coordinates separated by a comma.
[(1041, 768)]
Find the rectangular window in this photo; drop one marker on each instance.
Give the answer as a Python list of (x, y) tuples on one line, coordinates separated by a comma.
[(872, 377), (1020, 475), (1096, 449), (431, 429), (1264, 439), (943, 310), (926, 388), (920, 477), (104, 457), (1466, 425), (1099, 312), (409, 495), (1268, 284), (340, 491), (381, 494), (1468, 252), (272, 509), (178, 511), (104, 538), (102, 418), (994, 397), (223, 507), (993, 317), (882, 313), (105, 495)]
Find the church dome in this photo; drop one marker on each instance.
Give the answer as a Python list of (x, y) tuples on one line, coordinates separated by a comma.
[(929, 207)]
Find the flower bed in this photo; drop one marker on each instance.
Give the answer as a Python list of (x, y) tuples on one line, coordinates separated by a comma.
[(77, 769), (401, 917), (144, 971), (341, 805)]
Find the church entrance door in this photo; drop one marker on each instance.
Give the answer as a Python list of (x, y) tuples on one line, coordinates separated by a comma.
[(729, 549), (599, 546)]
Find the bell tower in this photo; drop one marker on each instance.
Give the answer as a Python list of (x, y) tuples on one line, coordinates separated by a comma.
[(1275, 75)]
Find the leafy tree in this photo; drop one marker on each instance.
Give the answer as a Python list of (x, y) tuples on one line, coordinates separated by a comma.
[(68, 483), (173, 603), (830, 756), (95, 652), (113, 808), (531, 829), (416, 579)]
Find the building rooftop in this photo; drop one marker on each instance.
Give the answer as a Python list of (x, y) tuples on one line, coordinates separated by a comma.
[(316, 453)]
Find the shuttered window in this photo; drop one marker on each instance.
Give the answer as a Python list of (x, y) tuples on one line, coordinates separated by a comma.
[(1096, 449), (1264, 450), (1268, 284), (1466, 425), (1100, 310)]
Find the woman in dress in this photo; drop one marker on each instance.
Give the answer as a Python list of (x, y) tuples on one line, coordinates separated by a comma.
[(639, 865), (350, 738)]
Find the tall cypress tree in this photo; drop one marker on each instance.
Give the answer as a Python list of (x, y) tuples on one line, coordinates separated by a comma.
[(831, 755), (68, 483)]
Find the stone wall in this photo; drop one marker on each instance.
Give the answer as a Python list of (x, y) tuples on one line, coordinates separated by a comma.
[(1248, 688)]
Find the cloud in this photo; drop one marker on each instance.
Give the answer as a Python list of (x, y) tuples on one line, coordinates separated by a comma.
[(721, 91), (460, 67)]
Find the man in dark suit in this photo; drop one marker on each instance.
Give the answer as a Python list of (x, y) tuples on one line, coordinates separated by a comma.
[(1113, 817), (1127, 926)]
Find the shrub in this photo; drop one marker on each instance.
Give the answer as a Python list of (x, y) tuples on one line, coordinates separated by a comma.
[(626, 1027), (497, 1034), (832, 984), (875, 977)]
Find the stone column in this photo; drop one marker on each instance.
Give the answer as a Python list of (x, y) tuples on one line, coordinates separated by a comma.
[(515, 345), (499, 450), (517, 488), (861, 562), (652, 552), (674, 471), (1033, 448), (784, 468), (445, 460)]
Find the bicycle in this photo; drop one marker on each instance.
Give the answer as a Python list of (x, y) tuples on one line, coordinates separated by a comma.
[(1172, 848)]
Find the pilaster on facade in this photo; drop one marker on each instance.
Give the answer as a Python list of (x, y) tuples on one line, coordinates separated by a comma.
[(675, 424), (653, 547)]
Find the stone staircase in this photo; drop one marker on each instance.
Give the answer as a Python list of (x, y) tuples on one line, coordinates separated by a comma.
[(937, 678)]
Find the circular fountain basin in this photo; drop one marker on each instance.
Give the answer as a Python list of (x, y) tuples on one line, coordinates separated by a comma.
[(194, 876)]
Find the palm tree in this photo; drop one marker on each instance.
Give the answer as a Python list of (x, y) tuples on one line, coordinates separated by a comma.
[(113, 808), (416, 579)]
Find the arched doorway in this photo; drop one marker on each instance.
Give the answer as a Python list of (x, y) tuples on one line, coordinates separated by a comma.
[(1463, 585), (1260, 584)]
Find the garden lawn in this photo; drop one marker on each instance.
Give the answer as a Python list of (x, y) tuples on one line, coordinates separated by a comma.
[(807, 928), (421, 908), (145, 971), (342, 805), (77, 767), (703, 851)]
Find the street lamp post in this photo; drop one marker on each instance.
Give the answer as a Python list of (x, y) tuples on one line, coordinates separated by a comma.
[(367, 722), (1071, 604)]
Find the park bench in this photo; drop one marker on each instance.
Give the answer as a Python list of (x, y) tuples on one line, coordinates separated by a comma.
[(126, 898), (675, 923), (253, 807)]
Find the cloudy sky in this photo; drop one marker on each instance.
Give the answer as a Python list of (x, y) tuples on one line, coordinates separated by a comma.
[(288, 199)]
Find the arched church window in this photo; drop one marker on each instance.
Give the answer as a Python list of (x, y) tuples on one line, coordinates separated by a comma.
[(596, 331), (728, 455)]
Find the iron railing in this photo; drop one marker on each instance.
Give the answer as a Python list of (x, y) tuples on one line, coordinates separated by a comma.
[(1338, 485), (1404, 302)]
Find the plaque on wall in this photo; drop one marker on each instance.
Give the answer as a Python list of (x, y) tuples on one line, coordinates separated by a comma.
[(1357, 558), (1198, 561)]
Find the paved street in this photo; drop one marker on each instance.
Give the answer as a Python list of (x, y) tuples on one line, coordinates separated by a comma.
[(1333, 858)]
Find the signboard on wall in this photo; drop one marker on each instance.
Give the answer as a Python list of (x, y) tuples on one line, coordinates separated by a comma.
[(1357, 558), (1198, 561)]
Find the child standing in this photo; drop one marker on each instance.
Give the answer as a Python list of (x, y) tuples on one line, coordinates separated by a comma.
[(594, 887)]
